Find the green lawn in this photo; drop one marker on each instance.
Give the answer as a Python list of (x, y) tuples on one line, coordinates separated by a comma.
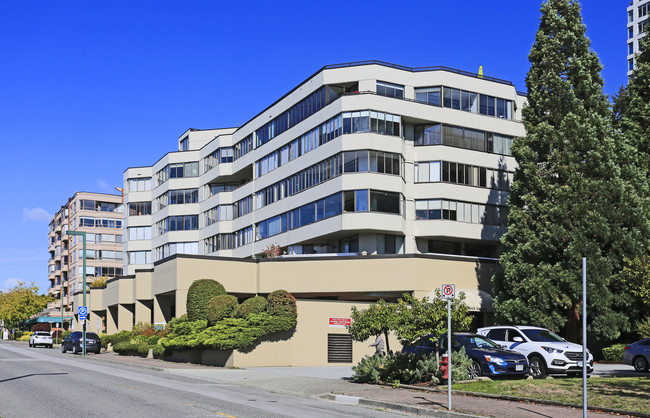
[(629, 393)]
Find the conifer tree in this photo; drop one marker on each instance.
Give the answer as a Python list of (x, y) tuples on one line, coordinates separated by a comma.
[(570, 198)]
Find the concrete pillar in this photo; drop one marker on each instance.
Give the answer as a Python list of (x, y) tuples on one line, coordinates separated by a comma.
[(111, 320), (124, 318), (158, 309), (142, 311), (181, 302)]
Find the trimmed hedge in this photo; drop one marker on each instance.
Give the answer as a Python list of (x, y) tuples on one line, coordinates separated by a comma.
[(281, 302), (198, 298), (221, 307), (614, 352), (250, 306)]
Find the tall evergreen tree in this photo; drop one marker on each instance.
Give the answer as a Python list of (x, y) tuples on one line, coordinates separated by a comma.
[(570, 198), (632, 122)]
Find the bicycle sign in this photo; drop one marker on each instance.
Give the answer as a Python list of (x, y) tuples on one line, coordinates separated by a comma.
[(83, 312), (448, 291)]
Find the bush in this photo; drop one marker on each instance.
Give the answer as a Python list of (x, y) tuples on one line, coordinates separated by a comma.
[(281, 303), (104, 338), (159, 351), (614, 352), (42, 326), (198, 298), (131, 348), (121, 336), (221, 307), (23, 335), (643, 328), (250, 306), (66, 334), (368, 369), (407, 368), (143, 328), (153, 340)]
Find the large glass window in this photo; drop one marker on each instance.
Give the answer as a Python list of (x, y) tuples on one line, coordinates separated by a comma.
[(461, 212), (429, 95), (139, 233), (139, 208), (390, 90), (139, 257), (178, 197)]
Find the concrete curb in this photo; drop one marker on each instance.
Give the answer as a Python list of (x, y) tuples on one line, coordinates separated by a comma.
[(415, 410), (528, 400)]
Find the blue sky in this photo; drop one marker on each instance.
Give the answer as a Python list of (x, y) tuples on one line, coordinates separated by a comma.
[(97, 87)]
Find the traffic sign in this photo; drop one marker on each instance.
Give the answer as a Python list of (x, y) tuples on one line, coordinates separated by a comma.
[(448, 291), (83, 312)]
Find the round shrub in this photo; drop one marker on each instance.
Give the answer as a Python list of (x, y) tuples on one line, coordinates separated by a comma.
[(220, 307), (121, 336), (198, 298), (252, 305), (282, 303), (153, 340)]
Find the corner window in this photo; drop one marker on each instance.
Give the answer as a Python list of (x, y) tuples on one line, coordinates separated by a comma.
[(390, 90)]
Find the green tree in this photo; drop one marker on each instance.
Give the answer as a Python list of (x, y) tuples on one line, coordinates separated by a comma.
[(20, 303), (198, 298), (379, 318), (416, 318), (409, 318), (572, 196)]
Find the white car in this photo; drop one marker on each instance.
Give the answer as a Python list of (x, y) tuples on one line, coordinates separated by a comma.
[(40, 338), (547, 352)]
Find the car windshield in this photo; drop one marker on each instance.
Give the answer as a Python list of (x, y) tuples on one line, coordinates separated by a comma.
[(543, 335), (475, 341)]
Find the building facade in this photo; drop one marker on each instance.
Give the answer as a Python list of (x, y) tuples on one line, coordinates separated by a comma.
[(638, 13), (374, 179), (100, 216)]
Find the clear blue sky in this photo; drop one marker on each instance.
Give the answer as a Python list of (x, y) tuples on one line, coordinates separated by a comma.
[(97, 87)]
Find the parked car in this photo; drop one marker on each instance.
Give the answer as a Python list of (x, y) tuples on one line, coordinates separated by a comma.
[(488, 358), (547, 352), (40, 338), (73, 342), (638, 355)]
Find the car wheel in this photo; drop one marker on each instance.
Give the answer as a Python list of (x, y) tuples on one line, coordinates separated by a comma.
[(640, 364), (474, 370), (30, 344), (63, 348), (537, 367), (74, 349)]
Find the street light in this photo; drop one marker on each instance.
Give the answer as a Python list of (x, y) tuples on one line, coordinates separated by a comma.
[(83, 235)]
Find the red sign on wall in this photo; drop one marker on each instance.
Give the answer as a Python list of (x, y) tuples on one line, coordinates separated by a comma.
[(340, 322)]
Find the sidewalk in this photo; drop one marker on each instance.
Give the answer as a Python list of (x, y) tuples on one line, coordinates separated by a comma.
[(332, 383)]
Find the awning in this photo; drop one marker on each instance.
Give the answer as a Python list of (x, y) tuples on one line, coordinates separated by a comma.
[(49, 319), (476, 300)]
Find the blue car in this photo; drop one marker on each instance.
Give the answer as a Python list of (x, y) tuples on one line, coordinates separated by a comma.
[(638, 355), (488, 358)]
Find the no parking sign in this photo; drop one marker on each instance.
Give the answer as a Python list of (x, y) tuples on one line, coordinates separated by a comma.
[(448, 291)]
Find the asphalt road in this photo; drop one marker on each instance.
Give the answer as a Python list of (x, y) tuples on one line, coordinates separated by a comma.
[(46, 383)]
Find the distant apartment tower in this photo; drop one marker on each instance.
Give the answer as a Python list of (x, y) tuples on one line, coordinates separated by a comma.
[(100, 216), (637, 18)]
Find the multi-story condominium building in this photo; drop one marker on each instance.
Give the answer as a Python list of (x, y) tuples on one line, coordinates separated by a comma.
[(100, 216), (374, 179), (638, 13)]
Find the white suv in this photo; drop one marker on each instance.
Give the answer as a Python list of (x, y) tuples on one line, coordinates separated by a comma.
[(547, 352)]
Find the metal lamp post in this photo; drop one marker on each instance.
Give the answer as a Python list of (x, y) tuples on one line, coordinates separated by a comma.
[(83, 235)]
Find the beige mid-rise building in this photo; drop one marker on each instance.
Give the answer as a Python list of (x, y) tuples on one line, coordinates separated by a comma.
[(100, 216)]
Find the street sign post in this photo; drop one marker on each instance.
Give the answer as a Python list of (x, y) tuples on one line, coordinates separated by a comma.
[(83, 312), (449, 293)]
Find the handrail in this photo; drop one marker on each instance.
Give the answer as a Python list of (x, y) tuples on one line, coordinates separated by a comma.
[(417, 69)]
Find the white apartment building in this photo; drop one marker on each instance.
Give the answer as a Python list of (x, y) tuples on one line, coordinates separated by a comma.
[(638, 13), (364, 157), (374, 179)]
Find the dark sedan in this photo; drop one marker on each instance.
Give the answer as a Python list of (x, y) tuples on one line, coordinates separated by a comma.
[(73, 343), (488, 358)]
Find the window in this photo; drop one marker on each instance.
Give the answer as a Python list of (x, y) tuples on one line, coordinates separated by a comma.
[(140, 185), (243, 147), (630, 64), (139, 257), (139, 208), (630, 48), (185, 144), (173, 248), (178, 197), (429, 95), (390, 90), (387, 202), (137, 233), (642, 26), (643, 11), (630, 32), (461, 212)]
